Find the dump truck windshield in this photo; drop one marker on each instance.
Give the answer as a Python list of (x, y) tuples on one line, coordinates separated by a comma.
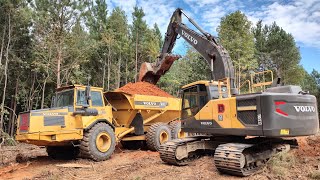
[(64, 98)]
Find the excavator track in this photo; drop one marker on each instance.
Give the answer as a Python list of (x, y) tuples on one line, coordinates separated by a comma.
[(229, 159), (244, 159), (168, 151)]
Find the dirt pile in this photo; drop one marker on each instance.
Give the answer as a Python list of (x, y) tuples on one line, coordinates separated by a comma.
[(143, 88), (308, 146)]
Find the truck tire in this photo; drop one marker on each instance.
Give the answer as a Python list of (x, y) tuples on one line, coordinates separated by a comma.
[(176, 131), (157, 134), (133, 145), (63, 152), (98, 142)]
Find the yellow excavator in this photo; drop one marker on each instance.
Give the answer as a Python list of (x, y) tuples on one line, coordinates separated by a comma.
[(242, 131)]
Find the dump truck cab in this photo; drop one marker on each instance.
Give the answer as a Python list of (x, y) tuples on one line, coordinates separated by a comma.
[(73, 109)]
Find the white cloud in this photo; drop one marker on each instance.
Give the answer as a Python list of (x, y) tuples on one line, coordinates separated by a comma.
[(159, 12), (156, 11), (301, 18)]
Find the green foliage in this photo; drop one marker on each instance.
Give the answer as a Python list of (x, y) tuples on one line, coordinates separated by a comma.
[(192, 67), (235, 35), (158, 34), (276, 50), (97, 46), (6, 139), (315, 90)]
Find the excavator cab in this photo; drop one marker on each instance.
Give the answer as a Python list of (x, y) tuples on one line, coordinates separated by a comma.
[(196, 95)]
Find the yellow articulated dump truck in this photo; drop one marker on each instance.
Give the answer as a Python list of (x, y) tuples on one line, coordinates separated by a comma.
[(84, 121)]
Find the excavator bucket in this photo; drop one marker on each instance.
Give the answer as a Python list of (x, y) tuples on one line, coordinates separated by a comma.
[(151, 72)]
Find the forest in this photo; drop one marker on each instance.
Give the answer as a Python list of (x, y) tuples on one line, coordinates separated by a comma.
[(47, 44)]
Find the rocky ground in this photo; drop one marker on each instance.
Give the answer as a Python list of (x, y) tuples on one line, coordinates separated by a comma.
[(30, 162)]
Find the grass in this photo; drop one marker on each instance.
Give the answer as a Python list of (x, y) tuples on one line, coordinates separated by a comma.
[(6, 139), (281, 163), (314, 174)]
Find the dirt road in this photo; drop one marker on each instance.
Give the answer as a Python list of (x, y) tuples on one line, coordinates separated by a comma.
[(125, 164)]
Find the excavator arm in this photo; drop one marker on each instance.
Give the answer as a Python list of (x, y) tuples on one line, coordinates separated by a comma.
[(216, 56)]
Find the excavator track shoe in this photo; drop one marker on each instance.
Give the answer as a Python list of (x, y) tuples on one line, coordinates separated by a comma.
[(241, 159), (170, 154)]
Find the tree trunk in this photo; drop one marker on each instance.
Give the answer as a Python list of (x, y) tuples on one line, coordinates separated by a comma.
[(44, 89), (109, 57), (2, 45), (126, 70), (136, 68), (239, 73), (30, 99), (5, 73), (60, 48), (59, 66), (14, 108), (104, 72), (119, 71)]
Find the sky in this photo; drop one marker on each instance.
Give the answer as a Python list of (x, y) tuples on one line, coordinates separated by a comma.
[(301, 18)]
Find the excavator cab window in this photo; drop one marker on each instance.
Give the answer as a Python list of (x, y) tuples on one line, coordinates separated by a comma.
[(203, 95), (193, 99), (214, 91)]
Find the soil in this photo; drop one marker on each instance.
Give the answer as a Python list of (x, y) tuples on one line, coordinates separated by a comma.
[(309, 146), (128, 164), (143, 88)]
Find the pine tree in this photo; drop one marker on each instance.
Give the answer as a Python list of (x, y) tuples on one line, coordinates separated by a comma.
[(235, 34), (138, 29), (276, 50)]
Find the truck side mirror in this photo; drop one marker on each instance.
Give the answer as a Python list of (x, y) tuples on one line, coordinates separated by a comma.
[(179, 94), (88, 93)]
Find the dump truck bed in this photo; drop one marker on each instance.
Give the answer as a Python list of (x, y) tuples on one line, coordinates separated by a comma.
[(127, 106)]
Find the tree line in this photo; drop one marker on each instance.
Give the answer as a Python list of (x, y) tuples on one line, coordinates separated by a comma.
[(46, 44)]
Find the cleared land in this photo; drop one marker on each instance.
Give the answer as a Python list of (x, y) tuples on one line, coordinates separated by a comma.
[(31, 162)]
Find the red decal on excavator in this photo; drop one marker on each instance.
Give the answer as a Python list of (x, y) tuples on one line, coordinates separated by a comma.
[(277, 103), (220, 108), (278, 110)]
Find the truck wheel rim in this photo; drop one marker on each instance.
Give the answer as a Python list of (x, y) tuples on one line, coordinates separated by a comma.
[(181, 134), (103, 142), (163, 137)]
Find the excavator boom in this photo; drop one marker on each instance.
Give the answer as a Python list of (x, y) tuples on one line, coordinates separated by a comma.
[(216, 56)]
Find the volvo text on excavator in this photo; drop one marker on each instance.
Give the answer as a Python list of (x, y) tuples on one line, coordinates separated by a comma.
[(242, 131)]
